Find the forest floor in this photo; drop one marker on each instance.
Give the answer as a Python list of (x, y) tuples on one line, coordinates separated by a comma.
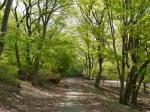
[(70, 95)]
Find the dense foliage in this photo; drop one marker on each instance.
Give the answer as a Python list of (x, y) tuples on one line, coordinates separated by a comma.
[(100, 39)]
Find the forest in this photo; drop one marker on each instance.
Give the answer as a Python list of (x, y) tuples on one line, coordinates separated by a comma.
[(74, 55)]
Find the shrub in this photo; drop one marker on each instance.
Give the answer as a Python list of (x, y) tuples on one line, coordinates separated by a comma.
[(8, 75), (45, 75), (26, 73)]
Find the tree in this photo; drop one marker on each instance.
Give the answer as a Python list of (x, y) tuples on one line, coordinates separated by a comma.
[(3, 4), (129, 16), (4, 22), (94, 17)]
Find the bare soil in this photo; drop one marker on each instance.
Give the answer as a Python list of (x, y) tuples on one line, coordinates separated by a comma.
[(70, 95)]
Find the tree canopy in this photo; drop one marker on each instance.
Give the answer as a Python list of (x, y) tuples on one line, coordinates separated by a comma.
[(95, 39)]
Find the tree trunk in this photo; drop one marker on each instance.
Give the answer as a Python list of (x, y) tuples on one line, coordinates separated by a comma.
[(100, 62), (40, 44), (36, 63), (97, 82), (136, 90), (28, 59), (89, 62), (144, 87), (86, 67), (4, 24), (130, 85), (123, 62), (17, 55), (121, 100), (20, 71)]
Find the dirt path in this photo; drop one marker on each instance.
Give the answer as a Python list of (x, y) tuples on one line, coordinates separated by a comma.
[(81, 96), (71, 95), (71, 103)]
